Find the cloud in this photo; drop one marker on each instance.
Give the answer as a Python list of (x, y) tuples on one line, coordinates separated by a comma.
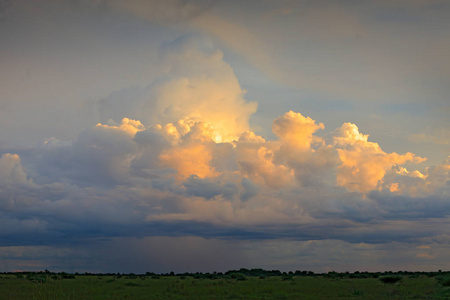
[(180, 150), (4, 5), (11, 170), (184, 163), (181, 172), (255, 158), (296, 132), (196, 84), (364, 164), (192, 151), (164, 12), (306, 154), (435, 180), (437, 136)]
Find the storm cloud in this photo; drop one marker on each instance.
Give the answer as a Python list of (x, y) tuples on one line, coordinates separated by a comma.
[(176, 170)]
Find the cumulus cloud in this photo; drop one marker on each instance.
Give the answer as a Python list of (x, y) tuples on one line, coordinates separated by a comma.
[(11, 170), (311, 160), (195, 159), (255, 158), (296, 132), (183, 171), (435, 180), (127, 180), (192, 166), (169, 163), (364, 164), (196, 84), (192, 149)]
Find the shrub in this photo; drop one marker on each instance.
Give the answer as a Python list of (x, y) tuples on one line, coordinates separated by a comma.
[(37, 278), (67, 276), (286, 277), (238, 276), (390, 279), (443, 280), (446, 282)]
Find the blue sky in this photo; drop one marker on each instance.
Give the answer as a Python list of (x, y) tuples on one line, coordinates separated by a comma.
[(181, 136)]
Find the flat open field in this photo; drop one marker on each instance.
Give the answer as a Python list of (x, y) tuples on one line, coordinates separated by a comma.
[(43, 286)]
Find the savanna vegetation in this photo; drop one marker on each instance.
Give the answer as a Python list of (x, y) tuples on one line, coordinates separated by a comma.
[(234, 284)]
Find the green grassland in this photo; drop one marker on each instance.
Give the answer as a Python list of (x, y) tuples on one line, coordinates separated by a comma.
[(46, 285)]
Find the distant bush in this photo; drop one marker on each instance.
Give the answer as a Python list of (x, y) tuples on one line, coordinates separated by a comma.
[(390, 279), (238, 276), (37, 278), (67, 276), (443, 280)]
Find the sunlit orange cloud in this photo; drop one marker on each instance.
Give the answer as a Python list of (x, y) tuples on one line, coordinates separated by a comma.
[(255, 156), (202, 87), (217, 102), (364, 164), (128, 126), (296, 132), (191, 152), (277, 163), (297, 157), (189, 160), (416, 184)]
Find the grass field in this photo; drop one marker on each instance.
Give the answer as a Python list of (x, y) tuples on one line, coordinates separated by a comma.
[(51, 286)]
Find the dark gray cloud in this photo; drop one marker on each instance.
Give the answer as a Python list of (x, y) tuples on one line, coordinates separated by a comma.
[(411, 208)]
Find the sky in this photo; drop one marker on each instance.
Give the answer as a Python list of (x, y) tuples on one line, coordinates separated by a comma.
[(209, 135)]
